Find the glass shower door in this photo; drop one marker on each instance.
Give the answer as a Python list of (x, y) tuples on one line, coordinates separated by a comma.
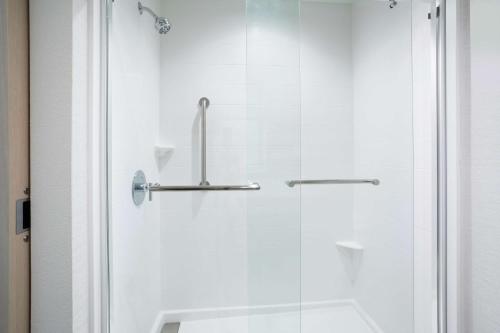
[(273, 157), (205, 128), (357, 166), (269, 148)]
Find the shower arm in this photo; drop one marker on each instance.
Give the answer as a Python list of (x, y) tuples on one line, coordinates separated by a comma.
[(147, 9)]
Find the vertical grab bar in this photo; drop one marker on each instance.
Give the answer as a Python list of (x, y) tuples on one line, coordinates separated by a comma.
[(439, 20), (204, 104)]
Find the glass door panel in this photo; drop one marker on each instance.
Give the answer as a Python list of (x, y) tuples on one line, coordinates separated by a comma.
[(201, 260), (357, 148), (273, 157), (312, 101)]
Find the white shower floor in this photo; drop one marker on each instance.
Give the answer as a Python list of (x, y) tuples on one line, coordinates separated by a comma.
[(339, 319)]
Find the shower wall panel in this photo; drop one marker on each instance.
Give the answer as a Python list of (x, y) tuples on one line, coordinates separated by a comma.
[(383, 148), (204, 235), (326, 149), (134, 231)]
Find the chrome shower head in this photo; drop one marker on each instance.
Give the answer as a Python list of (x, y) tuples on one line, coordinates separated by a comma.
[(161, 23), (392, 3)]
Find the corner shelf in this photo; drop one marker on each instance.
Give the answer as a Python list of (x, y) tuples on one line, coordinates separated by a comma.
[(351, 253), (350, 245), (163, 151)]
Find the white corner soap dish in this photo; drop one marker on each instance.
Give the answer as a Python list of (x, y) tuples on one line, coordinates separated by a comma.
[(162, 151), (351, 254), (163, 154), (350, 245)]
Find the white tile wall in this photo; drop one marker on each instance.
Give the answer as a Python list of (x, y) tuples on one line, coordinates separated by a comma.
[(327, 148), (204, 235), (383, 148), (135, 237)]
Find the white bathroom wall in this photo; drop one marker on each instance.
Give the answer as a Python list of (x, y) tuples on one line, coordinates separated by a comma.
[(51, 141), (383, 148), (64, 56), (326, 148), (482, 232), (134, 105)]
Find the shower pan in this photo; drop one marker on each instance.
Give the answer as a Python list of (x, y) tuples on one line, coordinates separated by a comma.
[(299, 194)]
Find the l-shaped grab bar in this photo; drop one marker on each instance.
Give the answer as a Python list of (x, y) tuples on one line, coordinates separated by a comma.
[(140, 186)]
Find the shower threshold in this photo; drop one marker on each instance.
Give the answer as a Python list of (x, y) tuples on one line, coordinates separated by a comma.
[(345, 317)]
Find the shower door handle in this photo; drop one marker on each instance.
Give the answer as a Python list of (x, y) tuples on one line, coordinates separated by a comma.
[(292, 183)]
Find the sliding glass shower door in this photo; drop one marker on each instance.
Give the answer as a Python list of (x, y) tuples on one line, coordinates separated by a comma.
[(357, 145), (273, 156), (261, 166)]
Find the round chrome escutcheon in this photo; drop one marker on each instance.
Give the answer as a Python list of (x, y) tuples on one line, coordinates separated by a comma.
[(138, 190)]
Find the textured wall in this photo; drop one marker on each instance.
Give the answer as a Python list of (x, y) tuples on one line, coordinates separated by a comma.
[(60, 160), (483, 231), (51, 247)]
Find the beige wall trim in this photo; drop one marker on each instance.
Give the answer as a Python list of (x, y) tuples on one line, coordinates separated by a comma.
[(15, 157), (4, 177)]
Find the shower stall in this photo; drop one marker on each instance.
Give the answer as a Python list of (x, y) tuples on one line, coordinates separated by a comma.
[(274, 166)]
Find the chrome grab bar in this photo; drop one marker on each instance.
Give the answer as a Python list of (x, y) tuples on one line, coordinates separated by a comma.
[(140, 186), (292, 183), (204, 104), (248, 187)]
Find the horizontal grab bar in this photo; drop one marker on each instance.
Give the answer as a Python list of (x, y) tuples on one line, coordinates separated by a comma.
[(140, 187), (292, 183), (248, 187)]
